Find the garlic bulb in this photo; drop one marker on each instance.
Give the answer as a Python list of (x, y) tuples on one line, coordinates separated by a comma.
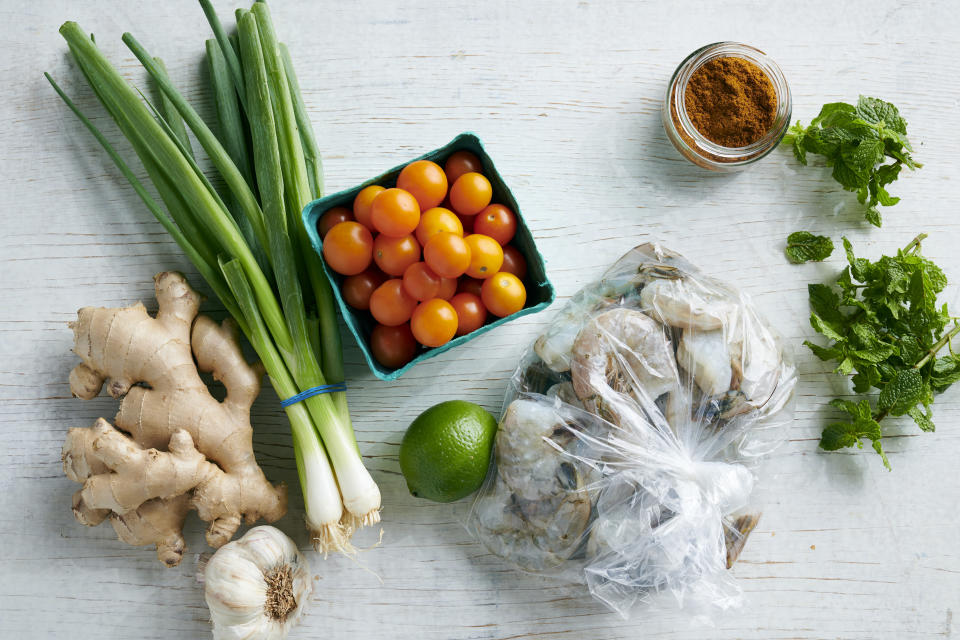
[(257, 586)]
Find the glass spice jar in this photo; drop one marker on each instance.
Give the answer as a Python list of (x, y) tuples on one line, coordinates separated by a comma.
[(692, 144)]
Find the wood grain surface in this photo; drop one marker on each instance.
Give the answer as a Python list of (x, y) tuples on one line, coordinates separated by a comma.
[(566, 94)]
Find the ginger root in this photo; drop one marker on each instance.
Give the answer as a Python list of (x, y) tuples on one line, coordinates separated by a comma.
[(174, 447)]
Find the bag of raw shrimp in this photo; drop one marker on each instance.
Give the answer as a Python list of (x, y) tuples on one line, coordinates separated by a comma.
[(624, 458)]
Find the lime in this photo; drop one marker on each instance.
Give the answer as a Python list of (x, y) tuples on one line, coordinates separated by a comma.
[(446, 451)]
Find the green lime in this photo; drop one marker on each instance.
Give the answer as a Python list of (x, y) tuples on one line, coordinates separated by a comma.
[(446, 451)]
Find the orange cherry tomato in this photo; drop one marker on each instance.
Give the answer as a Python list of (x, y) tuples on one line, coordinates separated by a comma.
[(471, 314), (447, 254), (437, 220), (469, 285), (426, 181), (503, 294), (395, 213), (470, 194), (486, 256), (420, 282), (496, 221), (331, 218), (390, 304), (356, 290), (448, 288), (393, 347), (514, 262), (348, 248), (394, 255), (362, 205), (459, 163), (434, 322)]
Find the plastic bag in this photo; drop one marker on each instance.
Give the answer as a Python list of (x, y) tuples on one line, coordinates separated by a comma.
[(624, 455)]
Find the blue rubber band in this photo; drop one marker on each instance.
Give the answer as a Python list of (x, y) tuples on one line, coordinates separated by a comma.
[(314, 391)]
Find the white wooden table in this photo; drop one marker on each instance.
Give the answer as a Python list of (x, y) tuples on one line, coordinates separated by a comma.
[(567, 97)]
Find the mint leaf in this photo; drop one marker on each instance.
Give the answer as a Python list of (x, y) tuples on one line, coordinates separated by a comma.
[(876, 111), (823, 352), (901, 393), (922, 419), (824, 327), (865, 145), (803, 246), (862, 155), (824, 301), (839, 435)]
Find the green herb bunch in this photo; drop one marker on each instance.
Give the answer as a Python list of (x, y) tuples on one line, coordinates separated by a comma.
[(865, 144), (886, 328)]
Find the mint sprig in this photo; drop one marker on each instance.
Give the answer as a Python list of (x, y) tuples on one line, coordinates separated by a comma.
[(865, 144), (885, 329), (803, 246)]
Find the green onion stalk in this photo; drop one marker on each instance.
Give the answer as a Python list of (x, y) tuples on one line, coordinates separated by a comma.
[(249, 242)]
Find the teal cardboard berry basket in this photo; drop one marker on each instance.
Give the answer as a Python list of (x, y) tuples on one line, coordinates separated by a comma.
[(540, 292)]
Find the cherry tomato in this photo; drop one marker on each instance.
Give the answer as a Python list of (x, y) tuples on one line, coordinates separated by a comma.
[(469, 285), (471, 314), (434, 322), (426, 181), (438, 220), (503, 294), (470, 194), (459, 163), (357, 289), (348, 248), (447, 254), (448, 287), (393, 347), (331, 218), (496, 221), (514, 262), (394, 255), (467, 222), (362, 205), (390, 304), (486, 256), (420, 282), (395, 213)]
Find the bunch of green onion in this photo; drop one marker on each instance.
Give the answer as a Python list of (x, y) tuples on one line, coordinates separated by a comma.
[(249, 242)]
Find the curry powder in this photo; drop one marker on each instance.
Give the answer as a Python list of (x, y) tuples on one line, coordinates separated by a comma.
[(731, 101)]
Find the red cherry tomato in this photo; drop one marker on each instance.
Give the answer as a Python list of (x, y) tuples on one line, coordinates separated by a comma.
[(469, 285), (448, 287), (503, 294), (420, 282), (394, 255), (390, 304), (362, 205), (393, 347), (437, 220), (447, 254), (426, 181), (348, 248), (459, 163), (496, 221), (470, 194), (514, 262), (434, 322), (471, 314), (331, 218), (486, 256), (395, 213), (357, 289)]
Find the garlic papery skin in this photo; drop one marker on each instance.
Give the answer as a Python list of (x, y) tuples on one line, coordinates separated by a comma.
[(257, 587)]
